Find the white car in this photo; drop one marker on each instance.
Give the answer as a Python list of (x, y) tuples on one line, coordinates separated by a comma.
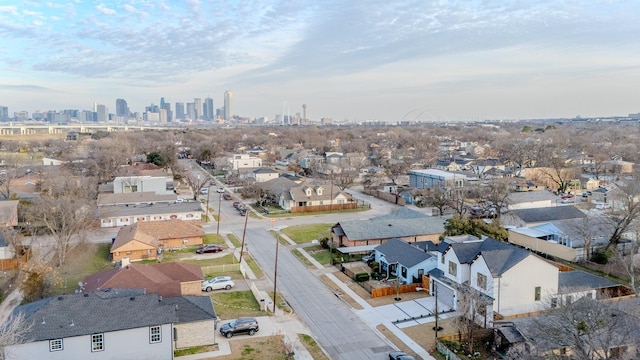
[(220, 190), (204, 191), (217, 283), (603, 206)]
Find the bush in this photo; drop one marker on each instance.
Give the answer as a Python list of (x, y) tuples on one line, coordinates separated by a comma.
[(601, 257), (360, 277)]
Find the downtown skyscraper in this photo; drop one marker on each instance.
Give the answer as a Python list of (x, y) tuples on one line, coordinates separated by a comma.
[(208, 111), (228, 110)]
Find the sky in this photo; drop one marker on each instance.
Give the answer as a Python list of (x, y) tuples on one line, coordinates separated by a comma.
[(346, 60)]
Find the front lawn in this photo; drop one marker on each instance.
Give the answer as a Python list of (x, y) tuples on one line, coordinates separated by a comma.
[(213, 239), (306, 233), (235, 304), (82, 261)]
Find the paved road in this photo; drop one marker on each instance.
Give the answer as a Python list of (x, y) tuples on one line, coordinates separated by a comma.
[(333, 323)]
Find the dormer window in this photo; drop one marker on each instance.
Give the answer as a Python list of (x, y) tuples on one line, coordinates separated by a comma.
[(319, 190), (308, 191)]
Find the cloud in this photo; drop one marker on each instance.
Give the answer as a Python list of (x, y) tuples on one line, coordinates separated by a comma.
[(105, 10), (24, 87), (131, 9), (9, 9)]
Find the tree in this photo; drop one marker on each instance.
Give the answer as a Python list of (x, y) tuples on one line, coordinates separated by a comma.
[(156, 158), (195, 182), (587, 328), (624, 211), (65, 208), (471, 309), (394, 169), (13, 331), (435, 197), (457, 225), (39, 282)]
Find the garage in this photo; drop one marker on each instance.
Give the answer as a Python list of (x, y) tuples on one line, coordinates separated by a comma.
[(445, 295)]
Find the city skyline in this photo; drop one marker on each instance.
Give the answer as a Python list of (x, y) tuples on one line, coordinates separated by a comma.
[(419, 61)]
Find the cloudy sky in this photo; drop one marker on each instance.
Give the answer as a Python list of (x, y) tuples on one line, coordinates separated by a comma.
[(358, 60)]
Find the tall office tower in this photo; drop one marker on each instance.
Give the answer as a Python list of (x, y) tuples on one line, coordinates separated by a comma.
[(191, 111), (102, 113), (163, 116), (198, 107), (122, 109), (166, 106), (179, 110), (208, 105), (228, 111), (4, 113)]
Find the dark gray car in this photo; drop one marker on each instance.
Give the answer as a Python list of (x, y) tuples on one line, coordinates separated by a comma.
[(240, 326)]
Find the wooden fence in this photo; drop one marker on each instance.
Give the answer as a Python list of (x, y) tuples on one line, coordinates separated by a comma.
[(332, 207), (390, 197), (392, 290), (15, 263)]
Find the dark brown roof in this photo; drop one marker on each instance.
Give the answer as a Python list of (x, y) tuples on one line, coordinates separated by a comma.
[(163, 279)]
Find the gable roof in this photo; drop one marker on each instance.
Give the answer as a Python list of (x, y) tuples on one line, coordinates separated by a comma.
[(110, 310), (578, 280), (277, 185), (390, 228), (150, 232), (549, 213), (499, 256), (402, 213), (264, 171), (164, 278), (133, 198), (398, 251)]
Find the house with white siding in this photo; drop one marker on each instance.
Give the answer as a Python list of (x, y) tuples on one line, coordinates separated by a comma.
[(113, 324)]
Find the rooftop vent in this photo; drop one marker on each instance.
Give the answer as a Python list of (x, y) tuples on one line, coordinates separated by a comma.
[(132, 298)]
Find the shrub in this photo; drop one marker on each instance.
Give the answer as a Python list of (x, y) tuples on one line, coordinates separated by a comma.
[(360, 277), (600, 257)]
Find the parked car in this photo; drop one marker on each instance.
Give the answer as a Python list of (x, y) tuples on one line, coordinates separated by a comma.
[(204, 191), (217, 283), (220, 190), (400, 355), (209, 248), (243, 211), (227, 196), (236, 204), (212, 182), (602, 206), (179, 199), (240, 325)]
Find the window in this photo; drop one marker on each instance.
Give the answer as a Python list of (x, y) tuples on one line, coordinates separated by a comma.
[(554, 302), (403, 271), (97, 342), (482, 281), (130, 188), (537, 293), (55, 345), (155, 335), (442, 259), (453, 268)]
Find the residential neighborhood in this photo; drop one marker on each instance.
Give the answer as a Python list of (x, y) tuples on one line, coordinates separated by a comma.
[(468, 246)]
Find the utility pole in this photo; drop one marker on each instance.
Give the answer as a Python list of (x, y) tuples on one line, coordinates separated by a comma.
[(207, 212), (275, 278), (244, 232), (219, 213), (435, 290)]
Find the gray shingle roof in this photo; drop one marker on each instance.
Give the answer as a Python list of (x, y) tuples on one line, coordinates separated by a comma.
[(549, 213), (117, 309), (499, 256), (145, 209), (402, 213), (398, 251), (390, 228), (578, 280)]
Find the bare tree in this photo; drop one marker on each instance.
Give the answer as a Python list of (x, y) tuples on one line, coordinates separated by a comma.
[(395, 168), (65, 208), (195, 182), (624, 211), (590, 329), (471, 307), (437, 198), (13, 331)]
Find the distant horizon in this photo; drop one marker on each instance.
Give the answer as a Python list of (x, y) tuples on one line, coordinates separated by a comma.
[(373, 61)]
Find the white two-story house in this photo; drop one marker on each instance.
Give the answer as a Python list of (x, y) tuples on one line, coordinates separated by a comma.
[(510, 280)]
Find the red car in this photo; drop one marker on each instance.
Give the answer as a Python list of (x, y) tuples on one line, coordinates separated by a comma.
[(209, 249), (227, 196)]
